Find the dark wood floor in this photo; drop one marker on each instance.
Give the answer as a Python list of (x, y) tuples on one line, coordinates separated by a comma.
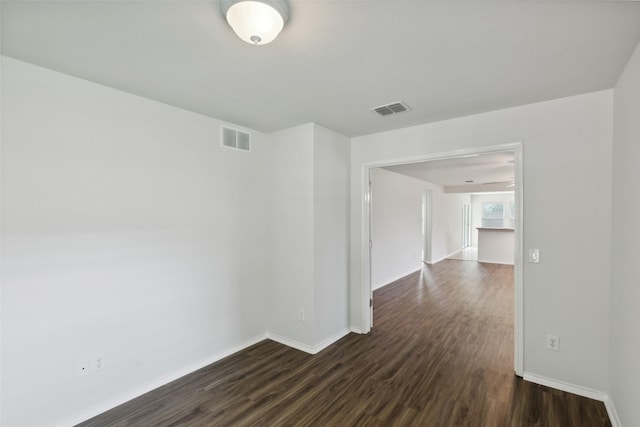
[(440, 354)]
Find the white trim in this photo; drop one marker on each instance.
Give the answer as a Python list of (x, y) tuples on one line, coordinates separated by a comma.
[(290, 343), (495, 262), (125, 397), (330, 340), (448, 256), (308, 348), (366, 290), (365, 255), (398, 278), (427, 226), (580, 391), (356, 330), (444, 257), (455, 252), (518, 261), (513, 146), (564, 386), (611, 411)]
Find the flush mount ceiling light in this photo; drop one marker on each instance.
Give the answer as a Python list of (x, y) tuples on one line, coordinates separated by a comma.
[(256, 21)]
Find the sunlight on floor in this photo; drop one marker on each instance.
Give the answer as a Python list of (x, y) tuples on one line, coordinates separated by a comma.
[(466, 254)]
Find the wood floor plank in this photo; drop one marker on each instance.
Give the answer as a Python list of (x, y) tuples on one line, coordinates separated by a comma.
[(440, 354)]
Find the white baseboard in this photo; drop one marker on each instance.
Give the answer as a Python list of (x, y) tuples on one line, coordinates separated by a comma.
[(375, 288), (356, 330), (496, 262), (290, 343), (453, 253), (580, 391), (442, 258), (330, 340), (308, 348), (570, 388), (613, 414), (125, 397)]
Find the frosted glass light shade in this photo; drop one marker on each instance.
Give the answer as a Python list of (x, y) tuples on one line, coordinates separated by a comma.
[(256, 22)]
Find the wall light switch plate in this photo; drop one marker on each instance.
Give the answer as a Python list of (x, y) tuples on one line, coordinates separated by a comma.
[(97, 363), (534, 255)]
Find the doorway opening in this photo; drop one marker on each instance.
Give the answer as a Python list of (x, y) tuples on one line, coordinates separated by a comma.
[(515, 183)]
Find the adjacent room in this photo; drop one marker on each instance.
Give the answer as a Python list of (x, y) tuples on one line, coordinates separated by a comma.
[(189, 228)]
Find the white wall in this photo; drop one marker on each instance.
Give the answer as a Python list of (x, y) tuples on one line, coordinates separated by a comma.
[(567, 165), (331, 224), (476, 210), (496, 246), (290, 252), (308, 222), (127, 230), (446, 229), (396, 225), (625, 290), (454, 203)]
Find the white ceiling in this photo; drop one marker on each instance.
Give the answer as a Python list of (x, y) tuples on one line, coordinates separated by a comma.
[(335, 59), (487, 172)]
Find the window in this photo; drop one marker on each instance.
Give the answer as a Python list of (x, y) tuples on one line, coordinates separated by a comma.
[(498, 214), (512, 215), (493, 214)]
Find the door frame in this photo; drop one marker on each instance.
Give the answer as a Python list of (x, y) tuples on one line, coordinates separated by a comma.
[(366, 290), (466, 225), (427, 227)]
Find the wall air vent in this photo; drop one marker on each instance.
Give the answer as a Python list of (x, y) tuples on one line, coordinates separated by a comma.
[(233, 138), (393, 108)]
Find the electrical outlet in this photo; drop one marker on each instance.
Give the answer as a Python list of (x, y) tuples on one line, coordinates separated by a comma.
[(82, 369), (553, 342), (301, 315), (97, 363)]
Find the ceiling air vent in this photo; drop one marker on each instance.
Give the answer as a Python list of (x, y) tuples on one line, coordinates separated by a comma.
[(393, 108), (233, 138)]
